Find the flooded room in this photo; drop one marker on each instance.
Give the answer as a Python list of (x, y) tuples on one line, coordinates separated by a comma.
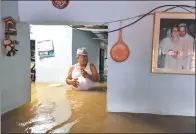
[(91, 67)]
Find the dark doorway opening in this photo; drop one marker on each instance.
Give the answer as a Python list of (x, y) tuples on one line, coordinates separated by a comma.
[(101, 64), (33, 71)]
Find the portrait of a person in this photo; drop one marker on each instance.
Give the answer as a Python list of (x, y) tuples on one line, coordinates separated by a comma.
[(177, 48)]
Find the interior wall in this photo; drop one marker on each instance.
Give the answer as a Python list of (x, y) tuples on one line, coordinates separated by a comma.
[(140, 91), (15, 72), (1, 46), (53, 69), (1, 38), (137, 89), (84, 39)]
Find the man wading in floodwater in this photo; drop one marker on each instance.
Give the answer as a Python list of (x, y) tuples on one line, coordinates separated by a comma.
[(83, 74)]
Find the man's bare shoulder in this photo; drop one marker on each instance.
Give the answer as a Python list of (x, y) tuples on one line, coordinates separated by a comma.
[(92, 65), (71, 68)]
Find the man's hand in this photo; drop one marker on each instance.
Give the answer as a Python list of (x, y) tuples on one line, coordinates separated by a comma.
[(75, 83), (94, 76), (84, 73)]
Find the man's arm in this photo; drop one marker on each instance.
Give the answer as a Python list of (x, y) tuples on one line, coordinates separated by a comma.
[(95, 76), (69, 76)]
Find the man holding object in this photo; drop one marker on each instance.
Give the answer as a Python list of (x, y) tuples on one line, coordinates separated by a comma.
[(83, 74)]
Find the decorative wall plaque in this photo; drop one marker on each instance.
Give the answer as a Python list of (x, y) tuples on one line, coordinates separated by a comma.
[(10, 26), (60, 4)]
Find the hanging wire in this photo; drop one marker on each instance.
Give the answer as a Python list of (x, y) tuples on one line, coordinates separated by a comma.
[(186, 9), (147, 15), (143, 16)]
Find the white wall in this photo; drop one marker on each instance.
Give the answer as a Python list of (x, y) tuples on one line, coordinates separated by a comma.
[(53, 69), (1, 34), (66, 42), (84, 39), (137, 90), (15, 71), (1, 82)]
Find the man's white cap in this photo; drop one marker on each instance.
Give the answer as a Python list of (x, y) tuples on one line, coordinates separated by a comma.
[(82, 51)]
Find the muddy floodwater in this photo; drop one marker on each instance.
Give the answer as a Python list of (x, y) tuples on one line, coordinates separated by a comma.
[(55, 109)]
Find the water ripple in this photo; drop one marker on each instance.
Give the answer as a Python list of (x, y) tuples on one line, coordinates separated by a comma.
[(47, 113)]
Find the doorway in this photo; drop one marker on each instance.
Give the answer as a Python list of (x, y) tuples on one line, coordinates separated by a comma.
[(102, 65), (33, 69), (56, 108)]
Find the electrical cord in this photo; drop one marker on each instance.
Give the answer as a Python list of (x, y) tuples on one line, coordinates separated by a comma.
[(186, 9), (176, 6), (144, 15), (139, 16), (147, 15)]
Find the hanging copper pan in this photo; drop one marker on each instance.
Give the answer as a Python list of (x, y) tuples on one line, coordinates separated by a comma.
[(120, 51)]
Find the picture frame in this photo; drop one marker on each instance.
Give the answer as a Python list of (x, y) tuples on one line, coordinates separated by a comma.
[(173, 45), (45, 49)]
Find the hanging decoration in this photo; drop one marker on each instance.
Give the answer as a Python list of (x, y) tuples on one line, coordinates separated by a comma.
[(10, 46), (60, 4), (120, 51), (10, 30)]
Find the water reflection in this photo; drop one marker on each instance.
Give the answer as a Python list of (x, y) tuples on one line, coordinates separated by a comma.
[(42, 121), (52, 109)]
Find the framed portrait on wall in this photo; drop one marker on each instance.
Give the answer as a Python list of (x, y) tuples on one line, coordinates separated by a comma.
[(173, 50)]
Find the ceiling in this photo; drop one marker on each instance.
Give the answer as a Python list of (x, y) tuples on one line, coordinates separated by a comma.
[(99, 31)]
